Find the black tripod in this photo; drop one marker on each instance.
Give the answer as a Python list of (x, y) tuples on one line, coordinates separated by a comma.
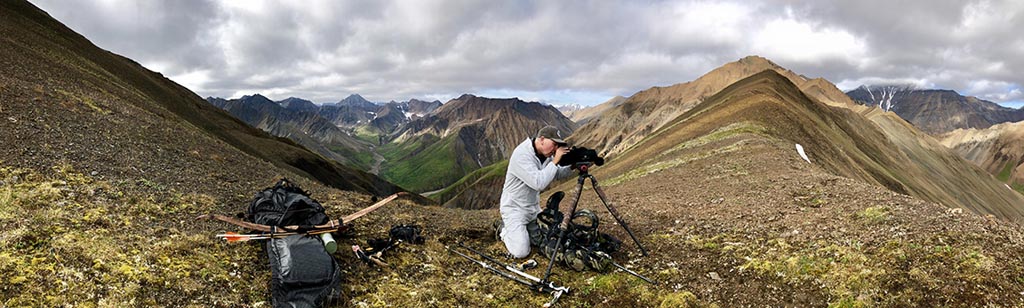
[(583, 167)]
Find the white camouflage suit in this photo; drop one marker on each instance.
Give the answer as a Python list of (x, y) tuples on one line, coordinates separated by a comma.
[(527, 176)]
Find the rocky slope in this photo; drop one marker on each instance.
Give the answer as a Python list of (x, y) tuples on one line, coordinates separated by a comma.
[(65, 100)]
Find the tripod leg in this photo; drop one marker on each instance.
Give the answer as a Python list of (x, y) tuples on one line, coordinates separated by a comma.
[(611, 209), (564, 224)]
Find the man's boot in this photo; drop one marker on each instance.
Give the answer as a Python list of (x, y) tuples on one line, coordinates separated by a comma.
[(498, 225)]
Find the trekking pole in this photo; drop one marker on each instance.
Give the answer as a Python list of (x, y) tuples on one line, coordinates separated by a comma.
[(601, 195), (513, 269), (557, 293), (601, 254)]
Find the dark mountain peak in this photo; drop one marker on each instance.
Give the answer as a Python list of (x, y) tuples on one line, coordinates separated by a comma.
[(418, 108), (355, 100), (481, 107), (255, 98), (942, 91), (293, 99), (885, 96), (295, 103), (425, 103), (887, 90), (354, 96), (216, 101)]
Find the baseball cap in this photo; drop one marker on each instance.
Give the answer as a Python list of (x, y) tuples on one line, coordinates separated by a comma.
[(552, 133)]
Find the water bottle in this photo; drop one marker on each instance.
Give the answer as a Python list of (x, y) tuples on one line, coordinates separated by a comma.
[(329, 243)]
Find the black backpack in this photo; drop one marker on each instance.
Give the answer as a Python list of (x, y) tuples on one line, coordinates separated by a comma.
[(286, 204), (303, 274)]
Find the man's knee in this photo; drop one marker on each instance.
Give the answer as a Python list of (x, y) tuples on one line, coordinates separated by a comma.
[(518, 251), (517, 241)]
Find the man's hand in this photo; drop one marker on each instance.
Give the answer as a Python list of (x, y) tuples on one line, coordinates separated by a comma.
[(558, 154)]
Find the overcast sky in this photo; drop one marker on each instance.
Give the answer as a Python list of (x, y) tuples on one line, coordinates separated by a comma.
[(556, 52)]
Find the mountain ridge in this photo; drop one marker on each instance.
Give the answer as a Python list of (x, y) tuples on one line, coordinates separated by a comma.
[(618, 128)]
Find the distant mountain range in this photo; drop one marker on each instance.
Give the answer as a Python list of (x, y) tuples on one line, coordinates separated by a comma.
[(465, 134), (416, 144), (298, 120), (935, 111), (367, 118), (345, 131)]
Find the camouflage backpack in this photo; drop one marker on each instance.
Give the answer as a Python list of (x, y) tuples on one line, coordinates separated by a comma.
[(584, 246)]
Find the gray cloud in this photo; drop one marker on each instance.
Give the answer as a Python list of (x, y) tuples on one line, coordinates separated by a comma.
[(168, 34), (395, 50)]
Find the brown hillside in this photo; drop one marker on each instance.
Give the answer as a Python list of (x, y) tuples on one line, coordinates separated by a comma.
[(826, 92), (884, 151), (721, 194), (65, 96), (584, 115), (998, 149)]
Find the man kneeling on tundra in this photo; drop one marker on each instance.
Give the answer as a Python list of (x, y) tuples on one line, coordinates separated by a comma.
[(533, 165)]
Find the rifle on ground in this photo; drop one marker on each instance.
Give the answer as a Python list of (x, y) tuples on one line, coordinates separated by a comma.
[(238, 237), (280, 232)]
